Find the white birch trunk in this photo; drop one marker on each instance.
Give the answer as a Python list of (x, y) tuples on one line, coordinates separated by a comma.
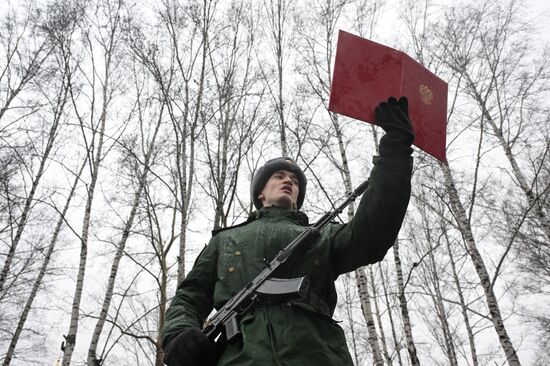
[(379, 318), (407, 328), (159, 359), (184, 205), (440, 310), (221, 160), (29, 71), (186, 182), (92, 350), (350, 287), (36, 285), (362, 285), (479, 265), (463, 308), (36, 180), (532, 200), (70, 338), (278, 17), (396, 343)]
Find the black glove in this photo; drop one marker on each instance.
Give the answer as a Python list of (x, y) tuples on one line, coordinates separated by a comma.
[(393, 117), (190, 348)]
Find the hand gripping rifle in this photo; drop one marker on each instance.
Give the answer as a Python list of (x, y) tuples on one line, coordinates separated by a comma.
[(265, 286)]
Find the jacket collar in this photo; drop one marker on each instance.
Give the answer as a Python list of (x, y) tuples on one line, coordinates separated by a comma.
[(275, 211)]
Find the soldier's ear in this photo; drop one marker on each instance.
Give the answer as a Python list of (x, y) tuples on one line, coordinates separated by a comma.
[(261, 196)]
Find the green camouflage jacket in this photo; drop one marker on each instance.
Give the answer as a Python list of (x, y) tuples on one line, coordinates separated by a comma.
[(297, 332)]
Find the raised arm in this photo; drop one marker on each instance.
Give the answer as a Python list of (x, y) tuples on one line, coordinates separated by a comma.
[(375, 226)]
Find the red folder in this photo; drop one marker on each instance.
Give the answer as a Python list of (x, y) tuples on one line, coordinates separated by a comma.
[(367, 73)]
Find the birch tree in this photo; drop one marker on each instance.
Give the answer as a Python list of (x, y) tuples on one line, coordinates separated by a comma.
[(61, 37), (389, 306), (463, 216), (495, 44), (42, 271), (148, 148), (505, 89), (108, 33), (459, 289), (279, 34), (507, 81), (429, 239), (14, 83), (444, 230), (188, 70), (237, 117), (22, 59), (404, 307), (177, 64), (481, 269)]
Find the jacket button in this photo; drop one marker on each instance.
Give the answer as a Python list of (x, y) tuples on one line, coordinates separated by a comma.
[(238, 252), (231, 269)]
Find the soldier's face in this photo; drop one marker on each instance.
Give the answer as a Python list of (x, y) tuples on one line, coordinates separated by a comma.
[(281, 190)]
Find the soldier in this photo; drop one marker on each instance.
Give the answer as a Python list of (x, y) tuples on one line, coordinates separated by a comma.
[(300, 332)]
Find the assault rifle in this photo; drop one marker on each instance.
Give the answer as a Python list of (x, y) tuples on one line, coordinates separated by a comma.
[(267, 288)]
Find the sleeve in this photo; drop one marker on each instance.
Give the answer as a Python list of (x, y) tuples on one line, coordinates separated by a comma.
[(193, 301), (373, 230)]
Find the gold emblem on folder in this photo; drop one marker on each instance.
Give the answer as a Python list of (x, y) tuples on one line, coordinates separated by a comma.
[(426, 94)]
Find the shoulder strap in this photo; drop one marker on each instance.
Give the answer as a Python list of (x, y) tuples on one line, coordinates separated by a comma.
[(248, 221)]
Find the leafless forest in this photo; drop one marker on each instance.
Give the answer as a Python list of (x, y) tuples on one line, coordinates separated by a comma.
[(130, 129)]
